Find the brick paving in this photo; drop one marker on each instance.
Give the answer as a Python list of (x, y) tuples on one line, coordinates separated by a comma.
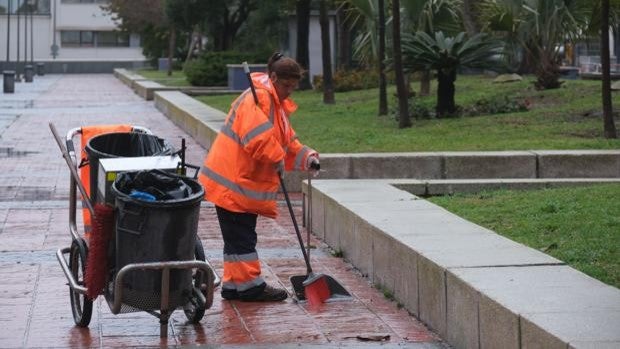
[(34, 298)]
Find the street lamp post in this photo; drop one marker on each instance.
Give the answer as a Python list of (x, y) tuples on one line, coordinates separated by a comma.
[(8, 76), (27, 67), (17, 78)]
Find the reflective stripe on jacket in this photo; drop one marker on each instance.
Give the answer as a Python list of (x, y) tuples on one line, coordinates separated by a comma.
[(240, 171)]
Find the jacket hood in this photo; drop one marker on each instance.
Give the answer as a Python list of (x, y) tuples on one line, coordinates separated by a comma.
[(262, 81)]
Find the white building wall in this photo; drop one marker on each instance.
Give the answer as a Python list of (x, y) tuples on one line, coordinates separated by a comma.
[(314, 42), (42, 37), (82, 16), (88, 17)]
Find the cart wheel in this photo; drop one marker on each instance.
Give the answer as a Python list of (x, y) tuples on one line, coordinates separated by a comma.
[(193, 310), (81, 306)]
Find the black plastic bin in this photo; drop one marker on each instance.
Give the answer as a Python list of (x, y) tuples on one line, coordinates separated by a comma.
[(156, 231), (117, 145)]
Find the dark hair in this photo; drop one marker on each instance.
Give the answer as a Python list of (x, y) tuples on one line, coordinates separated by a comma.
[(285, 67)]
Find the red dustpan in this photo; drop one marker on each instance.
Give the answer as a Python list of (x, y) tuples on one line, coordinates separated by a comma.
[(313, 287)]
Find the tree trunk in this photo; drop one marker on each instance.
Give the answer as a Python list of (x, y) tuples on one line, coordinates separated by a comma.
[(468, 15), (547, 72), (425, 83), (326, 53), (445, 93), (608, 116), (403, 102), (383, 103), (303, 33), (193, 41), (344, 37), (171, 45)]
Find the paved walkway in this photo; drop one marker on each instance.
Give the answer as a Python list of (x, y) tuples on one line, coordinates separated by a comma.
[(34, 297)]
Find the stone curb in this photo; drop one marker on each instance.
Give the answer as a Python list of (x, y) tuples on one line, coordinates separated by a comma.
[(474, 287)]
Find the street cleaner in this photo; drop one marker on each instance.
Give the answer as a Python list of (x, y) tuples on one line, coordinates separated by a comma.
[(240, 173)]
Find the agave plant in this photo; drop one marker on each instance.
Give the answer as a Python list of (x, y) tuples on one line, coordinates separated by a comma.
[(446, 55)]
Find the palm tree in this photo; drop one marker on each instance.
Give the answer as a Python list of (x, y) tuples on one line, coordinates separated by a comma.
[(609, 126), (383, 106), (403, 102), (430, 16), (445, 55), (303, 32), (328, 81)]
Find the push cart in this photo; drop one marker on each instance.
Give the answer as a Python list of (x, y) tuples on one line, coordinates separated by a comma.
[(137, 278)]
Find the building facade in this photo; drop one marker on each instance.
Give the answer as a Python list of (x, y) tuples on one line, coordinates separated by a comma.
[(69, 36)]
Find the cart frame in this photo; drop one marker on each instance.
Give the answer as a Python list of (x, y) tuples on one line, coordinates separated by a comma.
[(204, 278)]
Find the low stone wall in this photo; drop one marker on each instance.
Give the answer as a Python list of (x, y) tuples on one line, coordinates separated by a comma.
[(127, 77), (474, 287)]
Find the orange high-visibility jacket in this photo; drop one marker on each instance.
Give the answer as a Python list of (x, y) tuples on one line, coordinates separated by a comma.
[(240, 171)]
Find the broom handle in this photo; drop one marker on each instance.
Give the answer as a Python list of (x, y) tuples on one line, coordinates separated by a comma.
[(246, 69), (309, 227), (76, 177), (290, 210)]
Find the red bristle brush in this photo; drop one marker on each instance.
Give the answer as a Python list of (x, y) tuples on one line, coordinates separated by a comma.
[(97, 260)]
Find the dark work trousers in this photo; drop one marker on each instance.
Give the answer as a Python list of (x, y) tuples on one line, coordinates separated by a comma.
[(239, 234)]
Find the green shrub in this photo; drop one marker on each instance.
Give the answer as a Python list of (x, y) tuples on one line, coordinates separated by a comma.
[(497, 105), (210, 68), (419, 108), (351, 80)]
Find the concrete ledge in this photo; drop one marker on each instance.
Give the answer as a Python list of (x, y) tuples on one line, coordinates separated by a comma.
[(147, 88), (578, 163), (127, 77), (198, 119), (474, 287)]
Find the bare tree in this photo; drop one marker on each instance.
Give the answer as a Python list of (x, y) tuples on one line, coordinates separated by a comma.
[(326, 53), (608, 117), (403, 104)]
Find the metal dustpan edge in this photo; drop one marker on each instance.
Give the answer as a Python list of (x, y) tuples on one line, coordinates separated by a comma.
[(336, 290)]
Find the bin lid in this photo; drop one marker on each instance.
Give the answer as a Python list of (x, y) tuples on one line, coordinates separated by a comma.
[(167, 188)]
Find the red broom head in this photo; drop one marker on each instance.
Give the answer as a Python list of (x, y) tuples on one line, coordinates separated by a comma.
[(316, 289), (96, 262)]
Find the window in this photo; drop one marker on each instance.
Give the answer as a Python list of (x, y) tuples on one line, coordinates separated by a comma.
[(75, 38), (38, 7), (87, 39), (112, 39), (70, 38), (83, 1)]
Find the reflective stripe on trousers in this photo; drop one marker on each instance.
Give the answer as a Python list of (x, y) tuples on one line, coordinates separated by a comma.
[(241, 265)]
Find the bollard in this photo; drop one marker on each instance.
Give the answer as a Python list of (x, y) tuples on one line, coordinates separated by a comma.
[(28, 73), (9, 81), (40, 69)]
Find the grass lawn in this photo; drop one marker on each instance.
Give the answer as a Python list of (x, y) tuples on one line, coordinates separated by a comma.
[(565, 118), (580, 226), (176, 79)]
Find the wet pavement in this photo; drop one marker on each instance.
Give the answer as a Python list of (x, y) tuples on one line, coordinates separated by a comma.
[(34, 204)]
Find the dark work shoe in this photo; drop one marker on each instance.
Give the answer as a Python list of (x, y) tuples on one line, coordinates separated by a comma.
[(230, 294), (269, 294)]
